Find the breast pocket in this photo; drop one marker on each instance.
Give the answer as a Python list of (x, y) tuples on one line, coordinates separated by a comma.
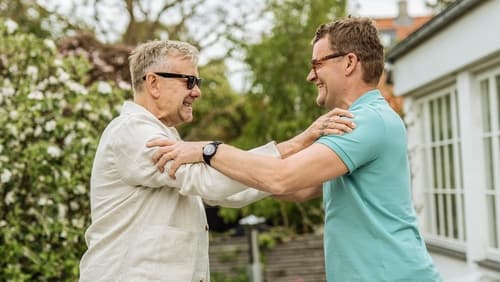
[(160, 253)]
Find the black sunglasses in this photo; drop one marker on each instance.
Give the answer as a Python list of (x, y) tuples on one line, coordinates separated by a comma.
[(191, 79)]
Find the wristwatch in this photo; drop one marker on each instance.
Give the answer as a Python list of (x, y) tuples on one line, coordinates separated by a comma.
[(209, 151)]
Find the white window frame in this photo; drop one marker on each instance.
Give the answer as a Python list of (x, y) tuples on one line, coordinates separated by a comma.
[(494, 135), (444, 236)]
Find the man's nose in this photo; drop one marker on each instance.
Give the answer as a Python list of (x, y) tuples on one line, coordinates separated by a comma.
[(196, 91), (311, 76)]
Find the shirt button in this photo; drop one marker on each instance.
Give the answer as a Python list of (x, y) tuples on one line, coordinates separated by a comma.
[(206, 227)]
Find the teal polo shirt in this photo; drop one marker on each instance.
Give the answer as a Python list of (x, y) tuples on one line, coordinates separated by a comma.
[(370, 231)]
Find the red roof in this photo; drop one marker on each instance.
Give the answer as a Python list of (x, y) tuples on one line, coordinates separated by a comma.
[(402, 31)]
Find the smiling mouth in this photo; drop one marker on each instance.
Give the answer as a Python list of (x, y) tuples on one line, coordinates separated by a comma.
[(187, 104), (320, 85)]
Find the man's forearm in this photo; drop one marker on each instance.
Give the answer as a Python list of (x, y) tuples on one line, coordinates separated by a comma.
[(294, 145)]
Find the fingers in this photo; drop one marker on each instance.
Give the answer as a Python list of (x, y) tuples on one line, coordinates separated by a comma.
[(339, 112), (173, 169), (160, 142), (160, 152), (334, 131), (163, 160)]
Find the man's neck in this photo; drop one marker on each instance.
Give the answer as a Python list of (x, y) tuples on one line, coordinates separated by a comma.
[(355, 94)]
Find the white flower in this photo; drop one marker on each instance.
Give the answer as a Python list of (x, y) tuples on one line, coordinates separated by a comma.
[(62, 75), (61, 210), (36, 95), (6, 175), (50, 44), (14, 114), (42, 85), (11, 26), (52, 80), (93, 116), (12, 129), (43, 201), (32, 71), (69, 138), (66, 174), (76, 87), (58, 63), (8, 91), (104, 87), (9, 197), (80, 125), (78, 222), (3, 223), (54, 151), (106, 113), (85, 141), (13, 69), (124, 85), (38, 131), (74, 205), (50, 125), (80, 189)]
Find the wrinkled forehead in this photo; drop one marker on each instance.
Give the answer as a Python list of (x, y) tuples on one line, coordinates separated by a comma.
[(179, 64)]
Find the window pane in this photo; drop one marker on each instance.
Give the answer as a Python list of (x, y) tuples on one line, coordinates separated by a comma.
[(493, 240), (485, 103), (488, 163), (457, 116), (434, 168), (498, 100), (454, 216), (451, 162), (448, 133), (436, 210), (432, 117), (439, 118)]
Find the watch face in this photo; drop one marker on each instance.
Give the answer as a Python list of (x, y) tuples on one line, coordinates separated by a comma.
[(209, 149)]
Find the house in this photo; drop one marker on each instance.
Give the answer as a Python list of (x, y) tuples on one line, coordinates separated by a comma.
[(392, 30), (448, 72)]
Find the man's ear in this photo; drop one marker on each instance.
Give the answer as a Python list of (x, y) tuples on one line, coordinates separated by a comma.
[(152, 85), (352, 62)]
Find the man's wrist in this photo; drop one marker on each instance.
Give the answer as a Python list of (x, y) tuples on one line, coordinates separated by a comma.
[(209, 151)]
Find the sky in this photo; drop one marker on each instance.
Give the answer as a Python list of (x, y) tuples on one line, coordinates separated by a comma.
[(381, 8)]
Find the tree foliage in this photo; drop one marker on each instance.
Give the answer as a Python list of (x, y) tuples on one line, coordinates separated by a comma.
[(281, 103)]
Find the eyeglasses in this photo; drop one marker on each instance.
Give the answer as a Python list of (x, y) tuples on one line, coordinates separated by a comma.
[(191, 79), (315, 63)]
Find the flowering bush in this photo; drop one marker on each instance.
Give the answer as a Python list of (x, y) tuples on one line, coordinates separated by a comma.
[(51, 117)]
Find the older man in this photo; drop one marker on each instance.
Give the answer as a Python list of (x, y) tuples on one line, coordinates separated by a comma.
[(371, 231), (145, 225)]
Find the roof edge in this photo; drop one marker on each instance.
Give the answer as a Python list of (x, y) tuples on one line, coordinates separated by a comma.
[(437, 23)]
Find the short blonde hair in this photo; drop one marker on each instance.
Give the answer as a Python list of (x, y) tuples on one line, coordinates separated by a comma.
[(156, 53)]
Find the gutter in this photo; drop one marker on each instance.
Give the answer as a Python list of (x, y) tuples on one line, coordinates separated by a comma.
[(437, 23)]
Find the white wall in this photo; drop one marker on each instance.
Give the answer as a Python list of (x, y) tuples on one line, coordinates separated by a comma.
[(473, 36)]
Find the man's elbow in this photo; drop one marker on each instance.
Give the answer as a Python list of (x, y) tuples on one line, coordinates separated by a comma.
[(280, 185)]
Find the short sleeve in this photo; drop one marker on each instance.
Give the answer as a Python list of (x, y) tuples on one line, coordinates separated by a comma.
[(363, 144)]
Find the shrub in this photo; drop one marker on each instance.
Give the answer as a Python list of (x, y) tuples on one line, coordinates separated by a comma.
[(51, 116)]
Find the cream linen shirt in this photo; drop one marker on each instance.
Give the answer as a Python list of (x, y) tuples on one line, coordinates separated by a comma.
[(145, 225)]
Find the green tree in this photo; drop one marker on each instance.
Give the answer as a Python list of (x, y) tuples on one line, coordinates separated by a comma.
[(281, 103), (34, 18)]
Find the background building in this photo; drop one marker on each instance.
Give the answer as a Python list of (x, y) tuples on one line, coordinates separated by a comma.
[(448, 72)]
